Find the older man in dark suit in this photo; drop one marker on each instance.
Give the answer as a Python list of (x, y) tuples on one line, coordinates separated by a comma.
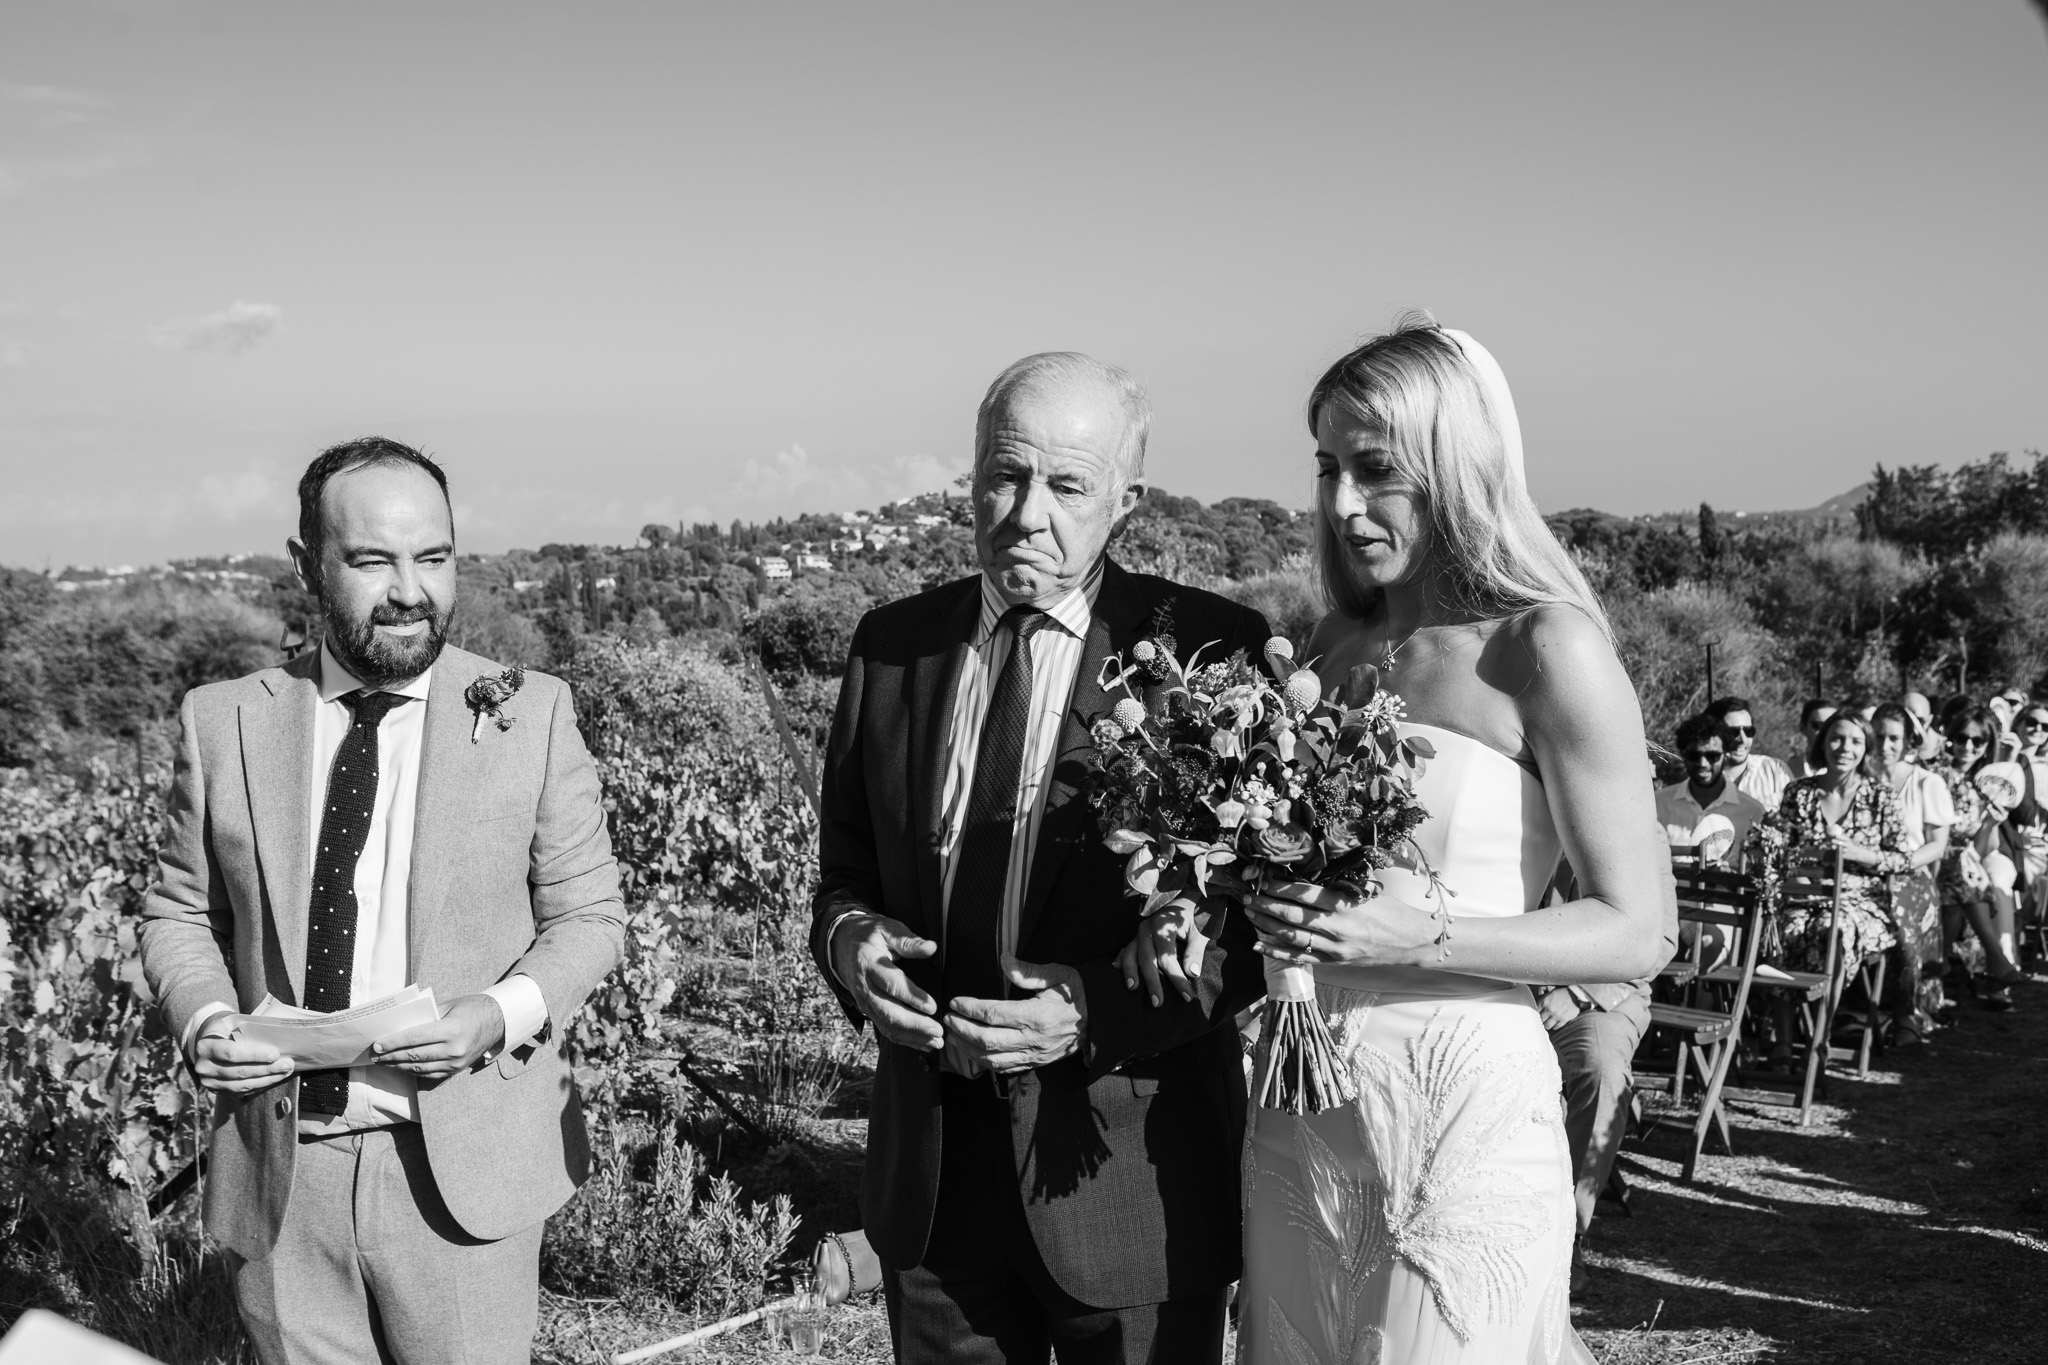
[(1052, 1162)]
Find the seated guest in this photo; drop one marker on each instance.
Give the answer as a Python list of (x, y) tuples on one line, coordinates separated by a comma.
[(1753, 772), (1683, 805), (1812, 715)]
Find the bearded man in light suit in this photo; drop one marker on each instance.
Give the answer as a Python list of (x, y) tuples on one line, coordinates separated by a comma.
[(1052, 1162), (342, 827)]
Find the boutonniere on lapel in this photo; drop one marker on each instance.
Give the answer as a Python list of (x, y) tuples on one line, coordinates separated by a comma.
[(487, 695)]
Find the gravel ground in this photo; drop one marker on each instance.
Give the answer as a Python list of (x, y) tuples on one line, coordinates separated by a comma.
[(1908, 1223)]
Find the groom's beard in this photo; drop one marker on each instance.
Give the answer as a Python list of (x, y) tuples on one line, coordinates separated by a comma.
[(379, 660)]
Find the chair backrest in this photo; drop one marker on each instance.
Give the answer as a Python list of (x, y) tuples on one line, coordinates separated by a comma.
[(1733, 900)]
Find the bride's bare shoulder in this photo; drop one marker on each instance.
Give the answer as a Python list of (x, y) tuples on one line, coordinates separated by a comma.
[(1557, 656)]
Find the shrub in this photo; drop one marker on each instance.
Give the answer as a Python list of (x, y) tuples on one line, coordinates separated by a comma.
[(649, 1223)]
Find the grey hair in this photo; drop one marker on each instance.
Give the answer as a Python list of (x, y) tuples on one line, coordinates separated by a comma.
[(1415, 384), (1054, 369)]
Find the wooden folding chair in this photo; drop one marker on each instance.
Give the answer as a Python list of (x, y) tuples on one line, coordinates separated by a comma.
[(1709, 1026), (1816, 995)]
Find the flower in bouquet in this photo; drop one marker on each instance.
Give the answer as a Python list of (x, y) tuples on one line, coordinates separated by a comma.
[(1218, 777)]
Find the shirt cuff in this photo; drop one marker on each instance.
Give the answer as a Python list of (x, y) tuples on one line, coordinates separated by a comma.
[(208, 1012), (524, 1007)]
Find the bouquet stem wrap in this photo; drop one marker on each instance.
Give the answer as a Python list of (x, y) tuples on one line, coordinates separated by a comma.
[(1299, 1070)]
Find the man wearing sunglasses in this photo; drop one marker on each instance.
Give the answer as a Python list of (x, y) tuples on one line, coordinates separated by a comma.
[(1705, 790), (1754, 773)]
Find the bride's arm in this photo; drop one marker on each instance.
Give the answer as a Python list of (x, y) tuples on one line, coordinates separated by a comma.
[(1579, 714), (1583, 724)]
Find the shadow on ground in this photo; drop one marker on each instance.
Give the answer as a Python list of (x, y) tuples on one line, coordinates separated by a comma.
[(1909, 1222)]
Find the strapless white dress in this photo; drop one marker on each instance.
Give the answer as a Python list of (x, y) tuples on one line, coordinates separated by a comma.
[(1431, 1220)]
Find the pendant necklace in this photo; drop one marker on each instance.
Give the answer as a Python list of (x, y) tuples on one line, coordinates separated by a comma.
[(1392, 656)]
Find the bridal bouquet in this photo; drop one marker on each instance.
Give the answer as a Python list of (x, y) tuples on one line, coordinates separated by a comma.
[(1216, 779)]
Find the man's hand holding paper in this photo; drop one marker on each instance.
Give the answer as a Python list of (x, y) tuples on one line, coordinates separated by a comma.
[(473, 1026)]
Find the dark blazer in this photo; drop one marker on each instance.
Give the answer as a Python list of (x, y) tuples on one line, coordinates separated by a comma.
[(1127, 1156)]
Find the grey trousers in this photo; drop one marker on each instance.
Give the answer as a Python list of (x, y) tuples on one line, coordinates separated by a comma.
[(371, 1267), (1595, 1052)]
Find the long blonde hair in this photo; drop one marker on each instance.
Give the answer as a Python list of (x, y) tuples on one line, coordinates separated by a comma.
[(1416, 385)]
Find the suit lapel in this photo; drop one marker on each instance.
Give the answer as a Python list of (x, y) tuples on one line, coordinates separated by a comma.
[(277, 765), (451, 773), (934, 688), (1115, 625)]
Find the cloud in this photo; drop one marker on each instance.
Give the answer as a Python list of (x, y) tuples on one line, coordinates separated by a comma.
[(48, 107), (58, 135), (791, 480), (15, 354), (241, 327), (226, 498)]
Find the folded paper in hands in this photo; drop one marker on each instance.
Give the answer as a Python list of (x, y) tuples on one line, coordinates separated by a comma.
[(316, 1042)]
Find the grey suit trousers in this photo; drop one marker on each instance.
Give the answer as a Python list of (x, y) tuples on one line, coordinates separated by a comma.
[(1596, 1052), (370, 1266)]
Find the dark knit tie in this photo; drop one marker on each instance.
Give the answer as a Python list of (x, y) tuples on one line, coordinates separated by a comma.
[(974, 915), (331, 914)]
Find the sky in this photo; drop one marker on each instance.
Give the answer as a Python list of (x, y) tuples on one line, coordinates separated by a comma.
[(626, 263)]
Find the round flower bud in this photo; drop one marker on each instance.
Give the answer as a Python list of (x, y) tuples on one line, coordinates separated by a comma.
[(1304, 688), (1129, 713), (1279, 647), (1144, 651)]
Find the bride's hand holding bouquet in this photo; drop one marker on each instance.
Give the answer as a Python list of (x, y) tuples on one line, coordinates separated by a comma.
[(1225, 784)]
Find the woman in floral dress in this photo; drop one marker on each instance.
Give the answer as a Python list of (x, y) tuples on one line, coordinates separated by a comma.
[(1841, 809)]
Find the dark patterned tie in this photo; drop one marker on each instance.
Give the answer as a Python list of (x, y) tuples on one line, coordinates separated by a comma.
[(974, 915), (331, 913)]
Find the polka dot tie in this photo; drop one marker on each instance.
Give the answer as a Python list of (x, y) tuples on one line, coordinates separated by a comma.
[(331, 913)]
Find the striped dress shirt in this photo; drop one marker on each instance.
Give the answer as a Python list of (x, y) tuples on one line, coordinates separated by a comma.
[(1055, 658)]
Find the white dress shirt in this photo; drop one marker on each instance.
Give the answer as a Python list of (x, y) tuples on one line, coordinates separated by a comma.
[(1056, 651), (382, 1095), (1762, 777)]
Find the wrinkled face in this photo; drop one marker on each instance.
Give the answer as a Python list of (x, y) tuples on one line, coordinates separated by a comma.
[(1738, 730), (1049, 491), (1891, 741), (1703, 762), (1377, 511), (385, 573), (1843, 744)]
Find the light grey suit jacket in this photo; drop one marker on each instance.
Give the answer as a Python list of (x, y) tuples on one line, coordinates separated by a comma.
[(512, 871)]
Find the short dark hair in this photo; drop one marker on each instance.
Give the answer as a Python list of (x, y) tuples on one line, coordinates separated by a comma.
[(1694, 731), (1719, 710), (347, 457), (1811, 705)]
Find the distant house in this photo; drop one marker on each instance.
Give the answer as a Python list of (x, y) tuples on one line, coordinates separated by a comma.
[(877, 541), (528, 584), (927, 519), (813, 563), (605, 584), (773, 567), (845, 545)]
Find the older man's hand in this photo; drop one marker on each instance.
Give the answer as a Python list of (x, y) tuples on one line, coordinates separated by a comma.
[(1008, 1036), (867, 953)]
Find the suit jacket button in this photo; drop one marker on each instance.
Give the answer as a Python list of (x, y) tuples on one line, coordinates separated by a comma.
[(284, 1109)]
